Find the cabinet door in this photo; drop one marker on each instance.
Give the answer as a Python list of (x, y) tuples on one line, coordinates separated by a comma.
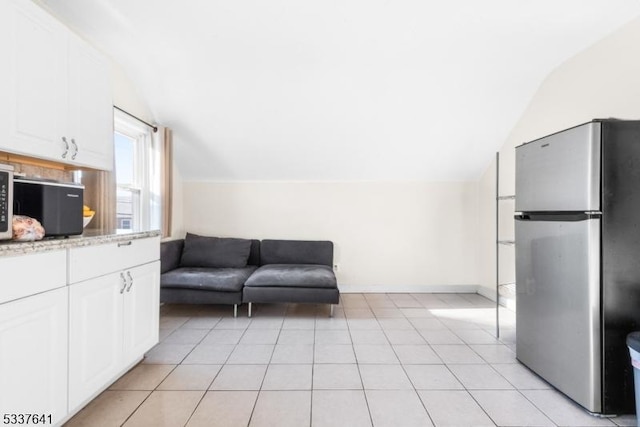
[(33, 114), (141, 310), (90, 107), (95, 336), (33, 355)]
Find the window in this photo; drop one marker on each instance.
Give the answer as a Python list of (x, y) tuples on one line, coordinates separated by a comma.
[(137, 175)]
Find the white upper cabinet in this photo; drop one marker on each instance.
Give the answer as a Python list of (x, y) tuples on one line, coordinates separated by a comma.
[(58, 103), (34, 79), (90, 107)]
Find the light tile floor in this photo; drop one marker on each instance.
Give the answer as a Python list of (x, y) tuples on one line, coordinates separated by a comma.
[(382, 360)]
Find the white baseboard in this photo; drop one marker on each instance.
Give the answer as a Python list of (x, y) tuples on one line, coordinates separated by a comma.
[(487, 292), (404, 289), (509, 303)]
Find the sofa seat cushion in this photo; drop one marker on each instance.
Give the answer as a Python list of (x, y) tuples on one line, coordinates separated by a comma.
[(293, 275), (211, 279)]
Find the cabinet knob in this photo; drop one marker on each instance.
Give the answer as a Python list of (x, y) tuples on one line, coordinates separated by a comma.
[(124, 283), (66, 147), (75, 149), (130, 281), (125, 243)]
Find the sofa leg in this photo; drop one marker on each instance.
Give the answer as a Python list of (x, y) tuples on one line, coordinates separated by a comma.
[(331, 310), (249, 310), (235, 310)]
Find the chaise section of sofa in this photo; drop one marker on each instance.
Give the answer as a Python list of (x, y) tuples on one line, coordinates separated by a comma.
[(296, 271), (207, 270)]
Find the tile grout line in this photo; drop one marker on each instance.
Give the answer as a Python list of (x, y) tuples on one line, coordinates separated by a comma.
[(468, 391), (313, 366), (409, 378), (212, 380), (448, 369), (215, 376), (135, 410), (538, 408), (364, 393), (206, 391), (255, 404), (165, 377), (465, 388), (350, 330), (227, 360)]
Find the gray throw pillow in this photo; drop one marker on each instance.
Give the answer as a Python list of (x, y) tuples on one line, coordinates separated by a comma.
[(214, 252)]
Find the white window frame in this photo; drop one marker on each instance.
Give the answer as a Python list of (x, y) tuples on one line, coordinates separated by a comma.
[(123, 124)]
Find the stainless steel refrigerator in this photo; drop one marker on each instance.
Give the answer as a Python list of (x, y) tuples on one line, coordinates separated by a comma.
[(577, 238)]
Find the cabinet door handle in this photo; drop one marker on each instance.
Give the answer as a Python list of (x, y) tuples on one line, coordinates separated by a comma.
[(75, 149), (124, 283), (125, 243), (66, 147), (130, 281)]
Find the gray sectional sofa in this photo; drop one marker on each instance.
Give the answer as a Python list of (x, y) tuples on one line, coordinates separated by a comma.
[(212, 270)]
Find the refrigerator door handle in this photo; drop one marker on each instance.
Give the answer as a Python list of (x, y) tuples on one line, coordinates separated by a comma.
[(558, 216)]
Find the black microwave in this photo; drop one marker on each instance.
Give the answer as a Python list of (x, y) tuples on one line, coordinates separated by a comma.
[(6, 201), (57, 205)]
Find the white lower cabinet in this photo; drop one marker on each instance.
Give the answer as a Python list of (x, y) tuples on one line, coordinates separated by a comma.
[(141, 311), (113, 321), (95, 336), (33, 358), (24, 276), (66, 335)]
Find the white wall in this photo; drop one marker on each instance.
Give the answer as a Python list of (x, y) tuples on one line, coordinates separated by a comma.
[(177, 213), (486, 234), (126, 95), (388, 236), (602, 81)]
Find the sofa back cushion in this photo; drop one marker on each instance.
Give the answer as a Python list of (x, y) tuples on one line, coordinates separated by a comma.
[(170, 254), (215, 252), (254, 253), (296, 252)]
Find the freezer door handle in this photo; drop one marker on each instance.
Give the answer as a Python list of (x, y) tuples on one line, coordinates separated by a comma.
[(558, 216)]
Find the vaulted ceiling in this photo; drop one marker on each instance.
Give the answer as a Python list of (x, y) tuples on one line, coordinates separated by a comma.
[(340, 89)]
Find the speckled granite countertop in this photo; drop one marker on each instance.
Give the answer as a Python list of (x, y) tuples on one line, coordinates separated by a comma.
[(9, 248)]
